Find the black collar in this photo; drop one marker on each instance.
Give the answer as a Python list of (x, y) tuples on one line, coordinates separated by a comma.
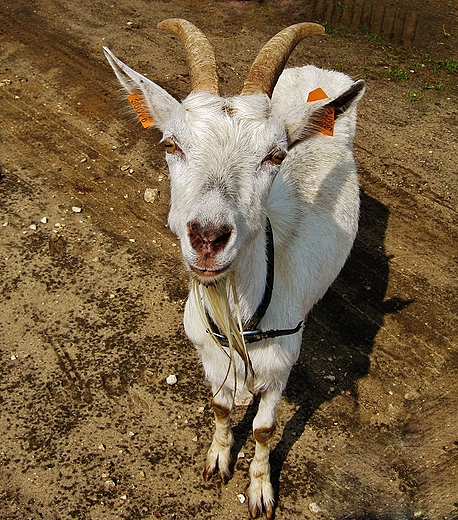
[(251, 332)]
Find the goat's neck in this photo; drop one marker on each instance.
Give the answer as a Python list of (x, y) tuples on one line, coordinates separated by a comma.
[(283, 213), (251, 276)]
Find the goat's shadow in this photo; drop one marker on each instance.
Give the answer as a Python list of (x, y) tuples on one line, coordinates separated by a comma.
[(339, 335)]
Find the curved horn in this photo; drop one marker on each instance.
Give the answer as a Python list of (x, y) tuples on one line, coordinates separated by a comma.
[(199, 55), (272, 58)]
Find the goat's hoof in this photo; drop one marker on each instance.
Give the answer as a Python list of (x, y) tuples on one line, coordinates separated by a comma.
[(261, 498), (255, 511), (269, 509), (209, 472), (225, 477)]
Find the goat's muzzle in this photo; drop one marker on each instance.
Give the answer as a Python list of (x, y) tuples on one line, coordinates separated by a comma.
[(207, 241)]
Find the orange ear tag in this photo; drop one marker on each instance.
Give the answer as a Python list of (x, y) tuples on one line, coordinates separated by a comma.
[(138, 104), (317, 95), (326, 124)]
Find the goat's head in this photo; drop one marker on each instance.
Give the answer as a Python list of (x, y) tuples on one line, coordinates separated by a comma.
[(223, 153)]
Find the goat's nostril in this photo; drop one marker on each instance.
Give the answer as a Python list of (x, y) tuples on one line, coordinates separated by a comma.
[(222, 237), (208, 239)]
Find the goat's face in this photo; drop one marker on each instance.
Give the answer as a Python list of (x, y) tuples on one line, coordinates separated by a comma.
[(223, 155)]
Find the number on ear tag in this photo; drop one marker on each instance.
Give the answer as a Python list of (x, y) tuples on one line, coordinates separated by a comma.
[(326, 124), (138, 104)]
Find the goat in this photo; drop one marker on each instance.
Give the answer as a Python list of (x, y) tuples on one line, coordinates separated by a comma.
[(265, 203)]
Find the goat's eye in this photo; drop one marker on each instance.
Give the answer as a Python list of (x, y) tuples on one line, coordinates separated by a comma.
[(170, 146), (276, 157)]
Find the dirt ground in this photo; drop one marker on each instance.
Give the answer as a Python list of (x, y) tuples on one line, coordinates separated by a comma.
[(92, 300)]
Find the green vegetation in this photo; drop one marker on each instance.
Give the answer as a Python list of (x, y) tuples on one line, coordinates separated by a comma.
[(388, 72), (421, 71), (335, 30), (372, 36)]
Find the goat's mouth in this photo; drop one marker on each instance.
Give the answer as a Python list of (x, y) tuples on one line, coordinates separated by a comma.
[(209, 276)]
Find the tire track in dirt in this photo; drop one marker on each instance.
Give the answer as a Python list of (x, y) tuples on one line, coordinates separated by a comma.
[(63, 141), (102, 192)]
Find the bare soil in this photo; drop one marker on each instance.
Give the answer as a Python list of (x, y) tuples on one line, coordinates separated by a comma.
[(91, 301)]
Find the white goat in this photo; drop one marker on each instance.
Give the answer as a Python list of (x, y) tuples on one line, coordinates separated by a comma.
[(265, 202)]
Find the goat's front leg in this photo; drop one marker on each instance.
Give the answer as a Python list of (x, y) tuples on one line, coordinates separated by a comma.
[(260, 492), (219, 454)]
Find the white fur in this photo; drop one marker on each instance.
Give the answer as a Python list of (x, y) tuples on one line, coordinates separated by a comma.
[(219, 177)]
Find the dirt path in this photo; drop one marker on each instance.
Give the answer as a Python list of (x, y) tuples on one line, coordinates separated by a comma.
[(91, 301)]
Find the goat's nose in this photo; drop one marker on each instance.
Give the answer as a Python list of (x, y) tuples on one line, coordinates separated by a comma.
[(208, 240)]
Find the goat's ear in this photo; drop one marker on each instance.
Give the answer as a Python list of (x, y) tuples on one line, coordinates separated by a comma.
[(348, 99), (152, 104), (322, 119)]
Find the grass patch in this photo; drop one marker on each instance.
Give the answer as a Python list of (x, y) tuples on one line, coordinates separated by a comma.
[(451, 65), (413, 96), (335, 30), (435, 86), (372, 36), (397, 75)]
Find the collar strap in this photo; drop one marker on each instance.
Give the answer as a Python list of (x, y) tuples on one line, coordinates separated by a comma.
[(251, 333), (252, 336), (260, 312)]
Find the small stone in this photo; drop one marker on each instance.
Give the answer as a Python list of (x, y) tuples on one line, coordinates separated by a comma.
[(76, 209), (102, 447), (314, 508), (172, 380), (13, 357), (44, 220), (141, 475), (124, 168), (151, 194), (33, 227), (411, 396), (241, 498), (241, 455), (195, 439), (83, 160), (109, 483), (123, 497)]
